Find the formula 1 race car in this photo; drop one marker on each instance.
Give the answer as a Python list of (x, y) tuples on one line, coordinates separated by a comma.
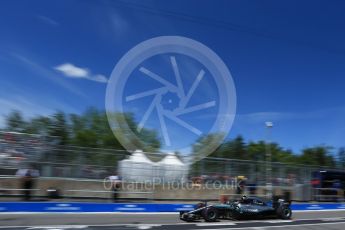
[(245, 208)]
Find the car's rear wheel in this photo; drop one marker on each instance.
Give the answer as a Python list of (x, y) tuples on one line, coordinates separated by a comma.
[(210, 214), (284, 213)]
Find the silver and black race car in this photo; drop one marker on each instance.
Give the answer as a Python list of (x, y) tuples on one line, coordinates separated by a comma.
[(245, 208)]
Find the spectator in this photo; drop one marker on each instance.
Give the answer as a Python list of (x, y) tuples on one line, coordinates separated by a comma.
[(241, 185), (27, 177), (115, 186)]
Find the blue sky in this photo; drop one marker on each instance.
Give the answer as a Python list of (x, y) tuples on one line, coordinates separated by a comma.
[(287, 58)]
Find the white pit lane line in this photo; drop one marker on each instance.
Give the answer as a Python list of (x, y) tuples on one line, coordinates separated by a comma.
[(149, 226), (214, 224), (327, 220), (58, 227), (139, 226), (333, 219), (278, 221), (279, 226)]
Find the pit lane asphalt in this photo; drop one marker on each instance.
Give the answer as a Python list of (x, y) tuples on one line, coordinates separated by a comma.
[(312, 220)]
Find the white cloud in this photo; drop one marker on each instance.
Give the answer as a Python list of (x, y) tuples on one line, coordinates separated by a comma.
[(100, 78), (72, 71)]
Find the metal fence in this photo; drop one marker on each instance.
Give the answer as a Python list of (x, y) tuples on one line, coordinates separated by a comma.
[(79, 163), (93, 163)]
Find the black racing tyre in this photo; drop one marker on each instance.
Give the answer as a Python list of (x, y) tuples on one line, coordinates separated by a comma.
[(182, 212), (184, 216), (210, 214), (284, 212)]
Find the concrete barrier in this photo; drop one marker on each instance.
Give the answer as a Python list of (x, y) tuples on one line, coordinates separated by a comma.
[(88, 188)]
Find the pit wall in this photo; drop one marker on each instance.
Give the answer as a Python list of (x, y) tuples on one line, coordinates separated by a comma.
[(82, 188)]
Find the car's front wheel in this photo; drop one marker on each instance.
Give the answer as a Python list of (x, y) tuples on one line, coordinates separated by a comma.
[(210, 214), (284, 213)]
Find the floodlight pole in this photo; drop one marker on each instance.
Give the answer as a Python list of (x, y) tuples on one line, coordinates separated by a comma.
[(269, 126)]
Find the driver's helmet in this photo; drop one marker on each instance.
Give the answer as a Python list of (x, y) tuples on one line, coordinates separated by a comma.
[(244, 198)]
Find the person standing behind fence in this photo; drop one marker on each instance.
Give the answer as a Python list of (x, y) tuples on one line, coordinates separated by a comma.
[(27, 179), (115, 186)]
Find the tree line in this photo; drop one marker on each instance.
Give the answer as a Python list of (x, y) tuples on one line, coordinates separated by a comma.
[(91, 129), (237, 148)]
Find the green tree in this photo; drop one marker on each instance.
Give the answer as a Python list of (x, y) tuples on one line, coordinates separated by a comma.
[(257, 150), (38, 125), (319, 155), (91, 129), (15, 122), (232, 149), (59, 128), (126, 131), (205, 144), (341, 158)]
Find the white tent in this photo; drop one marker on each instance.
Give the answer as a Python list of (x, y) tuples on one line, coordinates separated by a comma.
[(172, 168), (139, 168), (136, 168)]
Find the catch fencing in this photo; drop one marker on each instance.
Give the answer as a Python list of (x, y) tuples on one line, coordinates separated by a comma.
[(90, 166)]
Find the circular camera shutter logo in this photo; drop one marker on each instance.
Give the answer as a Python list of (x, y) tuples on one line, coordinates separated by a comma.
[(170, 101)]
